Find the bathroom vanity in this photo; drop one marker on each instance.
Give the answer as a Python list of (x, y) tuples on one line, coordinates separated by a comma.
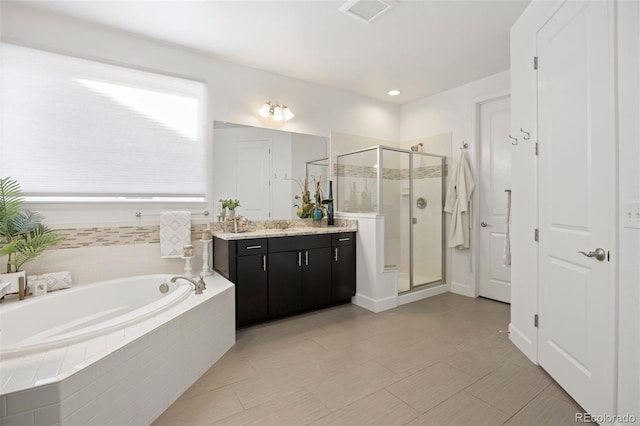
[(284, 272)]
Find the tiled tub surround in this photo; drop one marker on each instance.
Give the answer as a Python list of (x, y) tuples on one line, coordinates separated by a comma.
[(128, 376)]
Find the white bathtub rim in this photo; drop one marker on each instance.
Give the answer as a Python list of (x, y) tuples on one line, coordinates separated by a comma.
[(216, 284), (27, 347), (12, 304)]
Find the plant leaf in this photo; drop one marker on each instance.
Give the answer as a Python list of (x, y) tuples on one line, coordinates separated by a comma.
[(11, 200), (39, 239)]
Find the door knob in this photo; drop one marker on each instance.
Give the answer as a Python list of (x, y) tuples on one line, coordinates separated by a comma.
[(599, 254), (483, 224)]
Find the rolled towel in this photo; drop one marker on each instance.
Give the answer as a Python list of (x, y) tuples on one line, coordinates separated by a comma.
[(175, 232), (55, 280)]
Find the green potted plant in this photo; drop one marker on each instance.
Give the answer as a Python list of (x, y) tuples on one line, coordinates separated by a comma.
[(23, 237), (231, 205)]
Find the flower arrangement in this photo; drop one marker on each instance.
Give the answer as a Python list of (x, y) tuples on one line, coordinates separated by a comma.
[(230, 204), (312, 209)]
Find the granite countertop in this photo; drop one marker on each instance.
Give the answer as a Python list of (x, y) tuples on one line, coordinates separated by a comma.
[(291, 229)]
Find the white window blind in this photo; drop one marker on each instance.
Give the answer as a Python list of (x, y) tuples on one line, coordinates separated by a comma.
[(78, 129)]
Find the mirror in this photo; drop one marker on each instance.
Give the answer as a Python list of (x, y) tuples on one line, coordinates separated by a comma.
[(263, 168), (318, 170)]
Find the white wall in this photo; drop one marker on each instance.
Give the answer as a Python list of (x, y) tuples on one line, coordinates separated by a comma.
[(235, 94), (629, 179), (453, 111)]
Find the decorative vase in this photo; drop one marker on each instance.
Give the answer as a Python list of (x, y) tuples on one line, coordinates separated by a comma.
[(232, 213), (317, 214), (330, 205)]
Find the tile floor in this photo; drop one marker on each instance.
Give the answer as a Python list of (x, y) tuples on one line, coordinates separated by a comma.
[(439, 361)]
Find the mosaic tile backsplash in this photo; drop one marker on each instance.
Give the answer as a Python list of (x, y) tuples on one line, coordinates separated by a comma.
[(117, 235), (342, 170), (150, 234)]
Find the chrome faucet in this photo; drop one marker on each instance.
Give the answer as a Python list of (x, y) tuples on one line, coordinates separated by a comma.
[(199, 286)]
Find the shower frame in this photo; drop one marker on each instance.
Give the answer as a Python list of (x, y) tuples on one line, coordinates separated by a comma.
[(379, 198)]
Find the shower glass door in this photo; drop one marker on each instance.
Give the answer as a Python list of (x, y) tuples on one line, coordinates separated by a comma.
[(396, 204), (427, 219)]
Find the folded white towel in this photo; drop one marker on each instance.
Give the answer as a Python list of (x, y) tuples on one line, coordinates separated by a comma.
[(55, 280), (175, 232), (506, 258)]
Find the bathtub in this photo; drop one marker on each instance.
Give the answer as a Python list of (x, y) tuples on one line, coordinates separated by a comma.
[(114, 352), (79, 313)]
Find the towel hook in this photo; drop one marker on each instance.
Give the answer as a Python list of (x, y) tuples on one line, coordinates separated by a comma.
[(526, 138), (515, 140), (464, 145)]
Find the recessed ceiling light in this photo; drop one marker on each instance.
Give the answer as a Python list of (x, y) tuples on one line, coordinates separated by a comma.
[(393, 92)]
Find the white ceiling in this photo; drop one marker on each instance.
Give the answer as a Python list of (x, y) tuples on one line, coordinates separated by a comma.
[(420, 47)]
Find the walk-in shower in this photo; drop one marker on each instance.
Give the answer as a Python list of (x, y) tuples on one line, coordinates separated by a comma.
[(407, 187)]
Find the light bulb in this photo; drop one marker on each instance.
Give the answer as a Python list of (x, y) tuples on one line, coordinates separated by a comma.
[(264, 111), (288, 115), (277, 113)]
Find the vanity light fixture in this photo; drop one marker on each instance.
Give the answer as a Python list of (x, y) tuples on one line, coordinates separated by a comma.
[(393, 92), (276, 111)]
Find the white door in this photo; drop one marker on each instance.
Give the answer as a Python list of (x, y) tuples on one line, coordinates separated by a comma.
[(253, 173), (576, 135), (495, 172)]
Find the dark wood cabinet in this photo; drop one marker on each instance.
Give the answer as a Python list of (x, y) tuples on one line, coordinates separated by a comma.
[(343, 267), (251, 289), (300, 273), (285, 282), (316, 278), (284, 275)]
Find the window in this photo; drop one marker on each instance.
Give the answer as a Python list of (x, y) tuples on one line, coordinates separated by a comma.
[(74, 129)]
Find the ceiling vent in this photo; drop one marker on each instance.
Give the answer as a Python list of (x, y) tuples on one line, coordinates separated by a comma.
[(366, 10)]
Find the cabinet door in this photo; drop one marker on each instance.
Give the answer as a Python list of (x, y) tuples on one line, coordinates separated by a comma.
[(251, 290), (343, 272), (285, 282), (316, 277)]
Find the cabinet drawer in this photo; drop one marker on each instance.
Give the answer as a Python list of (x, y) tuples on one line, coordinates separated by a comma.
[(303, 242), (251, 247), (343, 239)]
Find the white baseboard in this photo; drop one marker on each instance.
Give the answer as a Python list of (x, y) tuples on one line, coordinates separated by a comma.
[(462, 289), (422, 294), (375, 305), (523, 343)]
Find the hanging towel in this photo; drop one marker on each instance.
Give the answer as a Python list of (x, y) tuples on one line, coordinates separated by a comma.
[(506, 256), (175, 233), (458, 204)]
